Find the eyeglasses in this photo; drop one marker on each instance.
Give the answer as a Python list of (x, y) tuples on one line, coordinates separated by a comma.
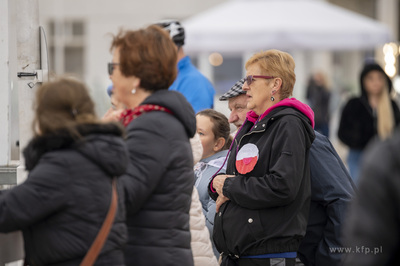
[(111, 67), (250, 78)]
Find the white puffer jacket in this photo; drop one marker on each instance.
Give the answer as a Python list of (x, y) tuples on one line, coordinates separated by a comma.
[(200, 243), (203, 254)]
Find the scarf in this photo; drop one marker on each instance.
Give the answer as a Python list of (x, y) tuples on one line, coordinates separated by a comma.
[(130, 114)]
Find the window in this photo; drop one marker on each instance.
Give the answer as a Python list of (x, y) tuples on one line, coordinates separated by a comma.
[(66, 47)]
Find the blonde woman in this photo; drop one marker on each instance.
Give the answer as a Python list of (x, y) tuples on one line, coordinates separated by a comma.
[(263, 200), (373, 113)]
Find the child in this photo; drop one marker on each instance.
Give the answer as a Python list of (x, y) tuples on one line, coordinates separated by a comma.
[(213, 128)]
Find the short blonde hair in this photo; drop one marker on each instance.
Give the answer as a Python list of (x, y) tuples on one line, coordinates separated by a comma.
[(278, 64)]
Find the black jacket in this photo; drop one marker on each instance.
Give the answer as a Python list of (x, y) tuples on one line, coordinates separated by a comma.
[(358, 123), (268, 207), (372, 227), (65, 199), (332, 189), (159, 183)]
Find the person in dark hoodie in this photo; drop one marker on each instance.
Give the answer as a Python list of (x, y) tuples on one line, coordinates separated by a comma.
[(71, 160), (159, 123), (373, 113), (263, 200)]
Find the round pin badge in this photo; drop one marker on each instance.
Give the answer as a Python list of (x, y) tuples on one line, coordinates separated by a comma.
[(247, 158)]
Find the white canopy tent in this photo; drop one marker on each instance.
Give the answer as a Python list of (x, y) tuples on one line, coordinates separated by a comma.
[(239, 26)]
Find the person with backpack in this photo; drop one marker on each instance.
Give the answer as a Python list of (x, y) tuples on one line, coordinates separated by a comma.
[(332, 189)]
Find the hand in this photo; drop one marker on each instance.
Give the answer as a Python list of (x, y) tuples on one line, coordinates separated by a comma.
[(218, 183), (220, 200), (112, 115)]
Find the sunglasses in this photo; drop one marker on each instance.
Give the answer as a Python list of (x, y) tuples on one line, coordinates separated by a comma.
[(111, 67), (250, 78)]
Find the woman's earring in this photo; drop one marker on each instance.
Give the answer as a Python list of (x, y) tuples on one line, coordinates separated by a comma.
[(133, 91), (272, 98)]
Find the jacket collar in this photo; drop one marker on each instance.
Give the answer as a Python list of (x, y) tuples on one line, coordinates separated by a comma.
[(288, 102), (184, 62), (64, 139), (215, 156)]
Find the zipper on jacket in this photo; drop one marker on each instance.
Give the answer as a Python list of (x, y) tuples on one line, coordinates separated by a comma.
[(247, 134), (264, 127)]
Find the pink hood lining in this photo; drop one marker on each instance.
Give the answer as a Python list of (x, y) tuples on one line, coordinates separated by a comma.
[(289, 102)]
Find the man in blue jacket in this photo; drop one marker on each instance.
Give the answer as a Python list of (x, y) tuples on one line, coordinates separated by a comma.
[(196, 88), (331, 190)]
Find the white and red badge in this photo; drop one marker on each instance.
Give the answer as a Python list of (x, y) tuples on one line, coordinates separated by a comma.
[(247, 158)]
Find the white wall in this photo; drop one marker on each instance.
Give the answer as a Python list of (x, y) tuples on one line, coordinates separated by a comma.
[(4, 84)]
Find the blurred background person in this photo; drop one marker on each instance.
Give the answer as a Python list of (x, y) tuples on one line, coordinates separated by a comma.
[(71, 160), (159, 124), (372, 227), (197, 89), (263, 202), (318, 96), (213, 128), (373, 113), (331, 191)]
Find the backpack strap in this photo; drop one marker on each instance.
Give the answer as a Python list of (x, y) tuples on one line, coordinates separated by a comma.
[(97, 245)]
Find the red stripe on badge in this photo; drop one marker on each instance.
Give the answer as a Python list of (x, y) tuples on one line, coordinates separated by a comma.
[(247, 158), (246, 165)]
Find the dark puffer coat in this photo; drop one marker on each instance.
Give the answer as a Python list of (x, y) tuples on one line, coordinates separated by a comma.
[(65, 199), (159, 183)]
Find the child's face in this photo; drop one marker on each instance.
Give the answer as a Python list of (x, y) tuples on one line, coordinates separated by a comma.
[(207, 137)]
